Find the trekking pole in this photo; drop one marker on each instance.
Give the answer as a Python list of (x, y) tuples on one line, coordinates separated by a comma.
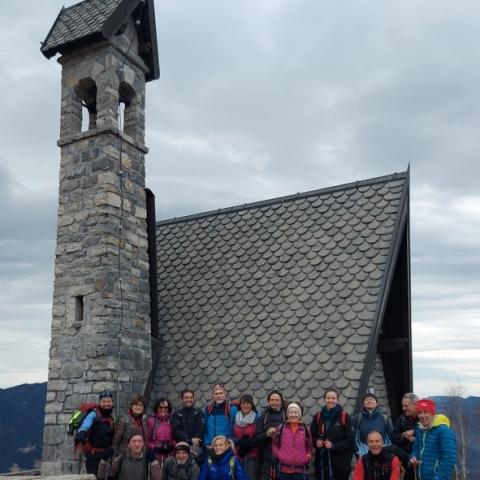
[(330, 470), (80, 459)]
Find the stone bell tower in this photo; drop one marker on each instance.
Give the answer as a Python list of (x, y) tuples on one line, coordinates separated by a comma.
[(101, 325)]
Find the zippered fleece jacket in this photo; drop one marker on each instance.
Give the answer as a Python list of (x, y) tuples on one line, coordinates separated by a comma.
[(293, 448), (436, 448)]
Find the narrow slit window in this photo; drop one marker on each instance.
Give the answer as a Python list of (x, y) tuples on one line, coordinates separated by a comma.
[(79, 309)]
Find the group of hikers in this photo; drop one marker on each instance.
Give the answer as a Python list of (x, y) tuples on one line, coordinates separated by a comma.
[(231, 441)]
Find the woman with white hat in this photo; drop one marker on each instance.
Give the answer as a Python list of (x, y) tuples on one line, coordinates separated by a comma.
[(292, 446)]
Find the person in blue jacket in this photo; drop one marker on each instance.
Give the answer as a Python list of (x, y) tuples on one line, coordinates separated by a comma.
[(371, 419), (434, 451), (220, 415), (221, 463)]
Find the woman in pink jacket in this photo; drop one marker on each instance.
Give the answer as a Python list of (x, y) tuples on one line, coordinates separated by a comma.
[(159, 430), (292, 446)]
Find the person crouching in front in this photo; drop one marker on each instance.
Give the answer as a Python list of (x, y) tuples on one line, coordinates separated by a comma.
[(181, 466), (221, 463), (135, 465), (377, 463)]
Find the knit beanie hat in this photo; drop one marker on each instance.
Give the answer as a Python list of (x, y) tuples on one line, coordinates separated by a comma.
[(134, 433), (105, 394), (182, 446), (294, 406), (426, 405), (218, 386)]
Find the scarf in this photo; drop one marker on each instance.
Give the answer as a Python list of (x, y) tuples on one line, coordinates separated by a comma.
[(243, 420), (329, 415)]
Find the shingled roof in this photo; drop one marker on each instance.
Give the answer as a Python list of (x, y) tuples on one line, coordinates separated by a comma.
[(101, 19), (289, 293)]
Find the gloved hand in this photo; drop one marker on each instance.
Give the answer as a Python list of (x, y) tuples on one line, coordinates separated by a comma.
[(108, 454), (81, 437), (150, 456)]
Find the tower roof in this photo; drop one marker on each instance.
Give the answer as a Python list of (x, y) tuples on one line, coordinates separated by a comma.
[(288, 293), (91, 20)]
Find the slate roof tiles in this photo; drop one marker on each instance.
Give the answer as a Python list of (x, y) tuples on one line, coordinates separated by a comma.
[(79, 21), (277, 294)]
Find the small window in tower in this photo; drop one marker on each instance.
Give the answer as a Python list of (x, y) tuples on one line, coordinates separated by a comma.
[(126, 110), (79, 310), (87, 93), (121, 116)]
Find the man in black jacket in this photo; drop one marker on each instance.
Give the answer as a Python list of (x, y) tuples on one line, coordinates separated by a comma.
[(403, 434), (188, 423), (273, 416)]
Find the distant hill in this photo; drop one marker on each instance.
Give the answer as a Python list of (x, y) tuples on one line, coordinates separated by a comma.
[(21, 425)]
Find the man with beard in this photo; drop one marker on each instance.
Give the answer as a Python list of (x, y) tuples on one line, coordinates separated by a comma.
[(96, 432), (181, 466), (136, 464), (188, 423), (219, 415)]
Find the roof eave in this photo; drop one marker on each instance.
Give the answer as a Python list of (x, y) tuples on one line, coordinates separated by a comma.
[(49, 53), (401, 222)]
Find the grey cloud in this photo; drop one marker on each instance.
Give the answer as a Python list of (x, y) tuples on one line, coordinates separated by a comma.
[(258, 100)]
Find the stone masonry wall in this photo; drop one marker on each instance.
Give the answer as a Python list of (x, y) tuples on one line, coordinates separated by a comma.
[(101, 306)]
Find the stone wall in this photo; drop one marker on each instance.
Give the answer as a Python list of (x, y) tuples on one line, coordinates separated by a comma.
[(101, 305)]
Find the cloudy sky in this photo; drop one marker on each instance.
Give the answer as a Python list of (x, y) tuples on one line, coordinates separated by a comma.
[(259, 99)]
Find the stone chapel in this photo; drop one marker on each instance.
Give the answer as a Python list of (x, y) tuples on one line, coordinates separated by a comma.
[(297, 293)]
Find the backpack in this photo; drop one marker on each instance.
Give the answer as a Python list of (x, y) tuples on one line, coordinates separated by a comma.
[(78, 416), (321, 425), (228, 408), (359, 417)]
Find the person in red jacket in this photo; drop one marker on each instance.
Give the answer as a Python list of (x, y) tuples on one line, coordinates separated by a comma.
[(377, 463), (292, 446)]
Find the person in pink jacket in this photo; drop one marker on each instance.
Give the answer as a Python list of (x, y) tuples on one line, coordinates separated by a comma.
[(160, 431), (292, 446)]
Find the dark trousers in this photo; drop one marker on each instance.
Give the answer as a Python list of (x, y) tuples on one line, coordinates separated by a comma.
[(264, 472), (326, 469), (292, 476), (92, 463)]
